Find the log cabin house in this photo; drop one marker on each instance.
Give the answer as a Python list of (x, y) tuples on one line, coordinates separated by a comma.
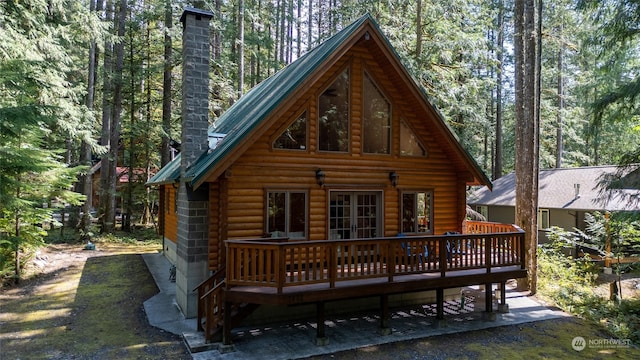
[(334, 179)]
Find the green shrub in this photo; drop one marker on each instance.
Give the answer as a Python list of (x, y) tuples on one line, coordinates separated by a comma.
[(569, 284)]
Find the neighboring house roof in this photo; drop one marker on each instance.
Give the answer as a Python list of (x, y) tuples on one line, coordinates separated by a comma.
[(246, 116), (558, 190), (122, 172)]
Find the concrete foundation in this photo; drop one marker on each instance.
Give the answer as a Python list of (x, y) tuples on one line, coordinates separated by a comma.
[(170, 251)]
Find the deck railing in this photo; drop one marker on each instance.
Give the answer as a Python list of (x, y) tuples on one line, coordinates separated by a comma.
[(280, 264), (487, 227)]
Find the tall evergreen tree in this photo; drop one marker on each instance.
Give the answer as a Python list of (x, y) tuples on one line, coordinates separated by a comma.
[(40, 102), (527, 125), (617, 23)]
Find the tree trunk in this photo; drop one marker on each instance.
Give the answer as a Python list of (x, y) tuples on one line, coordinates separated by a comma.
[(18, 241), (276, 34), (310, 26), (128, 202), (217, 35), (85, 149), (240, 88), (526, 133), (283, 15), (299, 30), (106, 123), (116, 118), (559, 132), (418, 30), (290, 33), (497, 168), (165, 152), (147, 212)]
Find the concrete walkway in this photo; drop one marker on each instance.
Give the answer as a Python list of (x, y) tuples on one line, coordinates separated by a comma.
[(297, 340), (162, 310)]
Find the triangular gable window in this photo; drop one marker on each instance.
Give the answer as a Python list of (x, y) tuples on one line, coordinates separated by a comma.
[(409, 143), (295, 136)]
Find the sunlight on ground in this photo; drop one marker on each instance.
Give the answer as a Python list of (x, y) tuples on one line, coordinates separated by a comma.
[(370, 349), (35, 315), (28, 335), (144, 345)]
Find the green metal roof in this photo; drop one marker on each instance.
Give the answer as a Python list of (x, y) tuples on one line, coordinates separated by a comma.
[(255, 106), (170, 173)]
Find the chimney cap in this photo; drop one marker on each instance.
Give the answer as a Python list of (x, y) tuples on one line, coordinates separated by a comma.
[(197, 12)]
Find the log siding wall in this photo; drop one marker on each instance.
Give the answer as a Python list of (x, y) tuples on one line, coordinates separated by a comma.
[(240, 192), (170, 217)]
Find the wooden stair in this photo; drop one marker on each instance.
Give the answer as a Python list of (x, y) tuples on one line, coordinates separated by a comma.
[(211, 307)]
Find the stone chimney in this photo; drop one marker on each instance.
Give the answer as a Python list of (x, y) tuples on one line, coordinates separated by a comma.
[(193, 204), (195, 85)]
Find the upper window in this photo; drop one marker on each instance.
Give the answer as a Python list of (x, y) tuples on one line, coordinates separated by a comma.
[(333, 115), (409, 143), (376, 119), (416, 212), (295, 136), (287, 214)]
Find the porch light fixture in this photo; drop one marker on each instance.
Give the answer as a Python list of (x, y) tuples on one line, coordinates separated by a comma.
[(320, 177), (393, 177), (175, 184)]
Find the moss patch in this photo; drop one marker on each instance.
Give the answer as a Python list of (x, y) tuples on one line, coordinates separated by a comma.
[(93, 311)]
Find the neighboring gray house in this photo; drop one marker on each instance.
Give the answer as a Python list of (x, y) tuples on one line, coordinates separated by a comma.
[(565, 195)]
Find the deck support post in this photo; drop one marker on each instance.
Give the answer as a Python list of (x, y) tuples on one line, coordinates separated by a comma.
[(384, 315), (440, 320), (488, 314), (321, 337), (503, 307), (226, 324)]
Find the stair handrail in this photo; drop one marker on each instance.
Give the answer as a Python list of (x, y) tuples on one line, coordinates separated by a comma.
[(213, 302), (205, 288)]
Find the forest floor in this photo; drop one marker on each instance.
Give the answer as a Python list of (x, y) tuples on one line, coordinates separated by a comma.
[(83, 304)]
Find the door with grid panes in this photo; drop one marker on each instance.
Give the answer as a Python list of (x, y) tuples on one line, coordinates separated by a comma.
[(355, 214)]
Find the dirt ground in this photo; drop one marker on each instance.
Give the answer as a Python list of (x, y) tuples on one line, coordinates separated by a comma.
[(629, 285), (82, 304)]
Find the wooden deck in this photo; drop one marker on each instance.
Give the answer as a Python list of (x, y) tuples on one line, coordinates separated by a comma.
[(282, 272), (311, 293)]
